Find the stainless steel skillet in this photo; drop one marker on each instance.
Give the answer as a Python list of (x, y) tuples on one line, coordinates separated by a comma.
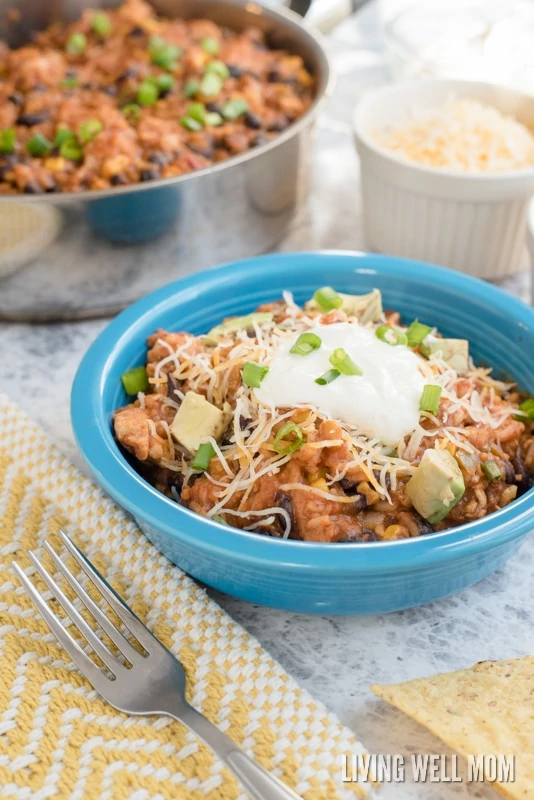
[(108, 247)]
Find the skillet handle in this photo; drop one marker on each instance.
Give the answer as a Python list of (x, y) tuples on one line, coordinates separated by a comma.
[(329, 12), (300, 7)]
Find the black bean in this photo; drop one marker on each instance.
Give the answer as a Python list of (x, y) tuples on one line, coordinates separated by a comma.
[(194, 477), (278, 125), (284, 501), (509, 470), (522, 479), (172, 388), (14, 158), (252, 120), (110, 90), (268, 530), (32, 119), (16, 99), (207, 150), (32, 187), (348, 486), (259, 140), (149, 174), (88, 86), (235, 71), (214, 107), (159, 157), (39, 87), (367, 535), (274, 76), (137, 31), (131, 72), (71, 73), (117, 180), (175, 481), (423, 526), (244, 422)]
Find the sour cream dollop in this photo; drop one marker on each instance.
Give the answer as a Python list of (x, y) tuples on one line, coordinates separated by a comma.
[(381, 403)]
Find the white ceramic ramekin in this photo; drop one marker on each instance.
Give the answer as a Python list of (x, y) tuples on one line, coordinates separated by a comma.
[(471, 223)]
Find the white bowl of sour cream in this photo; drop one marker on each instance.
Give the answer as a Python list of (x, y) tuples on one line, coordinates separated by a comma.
[(447, 172)]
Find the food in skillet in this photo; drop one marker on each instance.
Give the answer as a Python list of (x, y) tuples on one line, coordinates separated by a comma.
[(125, 96), (336, 422)]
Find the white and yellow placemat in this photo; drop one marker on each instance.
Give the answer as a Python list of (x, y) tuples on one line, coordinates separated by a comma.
[(59, 739)]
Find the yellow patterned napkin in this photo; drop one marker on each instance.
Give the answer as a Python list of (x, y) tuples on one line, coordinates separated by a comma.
[(59, 739)]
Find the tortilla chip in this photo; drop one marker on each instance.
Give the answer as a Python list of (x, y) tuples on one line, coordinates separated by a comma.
[(488, 709)]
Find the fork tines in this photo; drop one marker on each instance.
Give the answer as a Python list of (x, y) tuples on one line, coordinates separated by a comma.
[(91, 671)]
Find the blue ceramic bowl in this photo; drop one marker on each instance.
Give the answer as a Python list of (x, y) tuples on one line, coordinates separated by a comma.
[(303, 576)]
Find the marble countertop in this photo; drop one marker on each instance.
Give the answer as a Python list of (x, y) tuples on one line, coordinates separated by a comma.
[(336, 659)]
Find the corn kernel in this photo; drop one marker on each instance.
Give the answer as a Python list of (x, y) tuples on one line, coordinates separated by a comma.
[(320, 483), (55, 164), (395, 532)]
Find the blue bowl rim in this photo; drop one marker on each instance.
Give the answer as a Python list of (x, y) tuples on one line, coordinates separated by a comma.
[(142, 500)]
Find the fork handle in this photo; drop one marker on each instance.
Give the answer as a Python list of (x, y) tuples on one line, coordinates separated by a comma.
[(259, 783)]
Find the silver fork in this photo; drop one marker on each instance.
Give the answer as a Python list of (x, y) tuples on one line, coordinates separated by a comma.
[(154, 683)]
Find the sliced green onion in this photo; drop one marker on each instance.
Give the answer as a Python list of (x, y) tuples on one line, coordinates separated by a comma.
[(69, 83), (211, 84), (71, 150), (7, 140), (63, 135), (90, 129), (342, 362), (76, 44), (327, 299), (135, 380), (131, 111), (218, 518), (218, 68), (213, 118), (203, 456), (210, 45), (39, 145), (430, 398), (165, 83), (101, 24), (253, 374), (491, 469), (527, 406), (191, 88), (148, 93), (190, 123), (291, 446), (416, 332), (305, 344), (391, 335), (197, 111), (233, 109), (163, 54), (328, 377)]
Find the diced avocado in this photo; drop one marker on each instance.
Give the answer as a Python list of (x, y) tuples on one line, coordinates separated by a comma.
[(454, 352), (196, 419), (365, 307), (436, 486), (237, 324)]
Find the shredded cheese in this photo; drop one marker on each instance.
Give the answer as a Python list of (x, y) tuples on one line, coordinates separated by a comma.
[(247, 453), (461, 135)]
